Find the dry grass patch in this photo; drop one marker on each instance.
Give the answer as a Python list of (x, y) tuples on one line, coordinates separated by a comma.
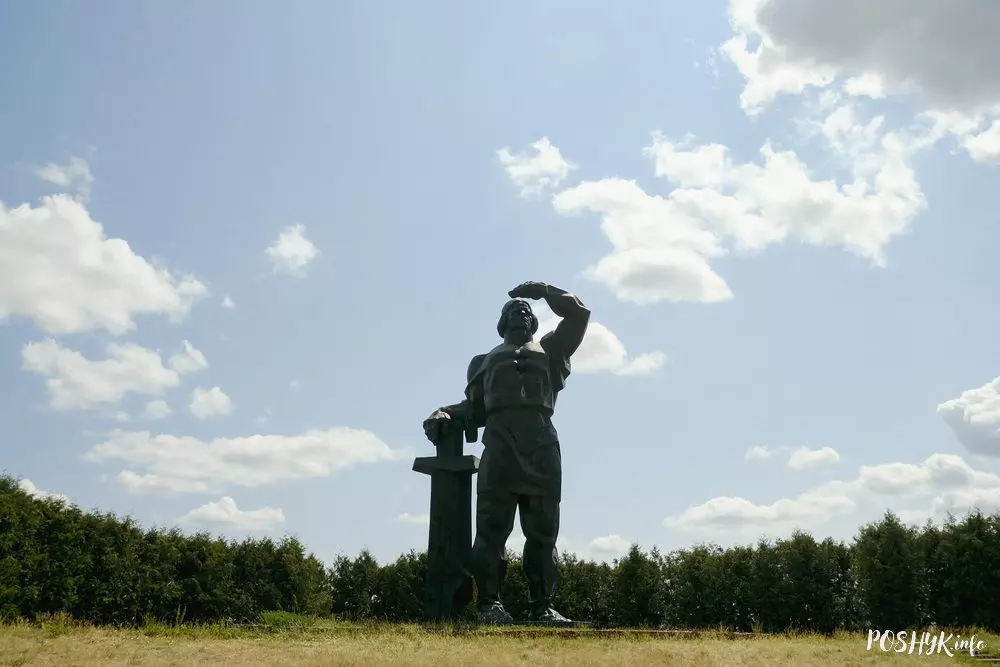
[(325, 643)]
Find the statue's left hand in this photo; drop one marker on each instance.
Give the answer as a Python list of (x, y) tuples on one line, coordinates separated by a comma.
[(529, 290), (434, 424)]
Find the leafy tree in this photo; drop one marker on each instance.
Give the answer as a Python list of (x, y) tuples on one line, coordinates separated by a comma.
[(887, 562)]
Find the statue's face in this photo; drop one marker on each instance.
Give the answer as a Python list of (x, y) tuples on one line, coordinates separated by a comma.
[(519, 320)]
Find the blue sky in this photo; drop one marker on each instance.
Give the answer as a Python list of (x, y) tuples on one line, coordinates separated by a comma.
[(794, 304)]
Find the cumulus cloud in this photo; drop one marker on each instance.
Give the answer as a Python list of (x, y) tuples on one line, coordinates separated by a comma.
[(665, 247), (181, 462), (959, 501), (946, 51), (156, 410), (759, 453), (938, 472), (941, 483), (657, 255), (74, 175), (75, 382), (535, 173), (227, 302), (799, 458), (610, 545), (732, 513), (223, 514), (662, 247), (59, 270), (209, 403), (803, 457), (152, 483), (418, 519), (188, 360), (292, 251), (984, 146), (601, 351), (975, 418), (943, 52), (29, 487)]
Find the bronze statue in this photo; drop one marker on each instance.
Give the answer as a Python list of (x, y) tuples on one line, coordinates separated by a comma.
[(511, 392)]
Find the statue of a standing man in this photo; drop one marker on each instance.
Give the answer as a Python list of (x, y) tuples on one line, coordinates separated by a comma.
[(511, 392)]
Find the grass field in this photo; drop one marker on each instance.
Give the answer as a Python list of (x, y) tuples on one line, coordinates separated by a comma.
[(66, 644)]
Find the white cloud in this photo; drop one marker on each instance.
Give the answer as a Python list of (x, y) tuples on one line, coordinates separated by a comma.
[(294, 385), (984, 146), (945, 50), (610, 545), (225, 515), (961, 501), (757, 205), (292, 251), (942, 482), (868, 84), (250, 461), (75, 175), (661, 247), (601, 351), (152, 483), (766, 70), (122, 416), (29, 487), (76, 382), (534, 174), (156, 410), (732, 513), (975, 418), (59, 270), (227, 302), (937, 473), (209, 403), (759, 453), (418, 519), (803, 457), (189, 360), (657, 254)]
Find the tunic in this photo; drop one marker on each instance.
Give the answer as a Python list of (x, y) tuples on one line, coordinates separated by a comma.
[(516, 387)]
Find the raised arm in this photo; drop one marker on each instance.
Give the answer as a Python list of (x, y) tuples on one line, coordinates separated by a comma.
[(574, 315), (575, 318)]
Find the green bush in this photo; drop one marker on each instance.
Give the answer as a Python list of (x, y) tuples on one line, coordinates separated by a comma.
[(59, 564)]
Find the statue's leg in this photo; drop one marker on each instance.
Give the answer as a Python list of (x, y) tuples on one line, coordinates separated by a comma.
[(540, 523), (494, 523)]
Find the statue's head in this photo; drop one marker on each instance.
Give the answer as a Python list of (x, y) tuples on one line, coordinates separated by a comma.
[(517, 321)]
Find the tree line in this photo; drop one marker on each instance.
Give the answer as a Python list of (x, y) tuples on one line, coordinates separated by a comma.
[(107, 570)]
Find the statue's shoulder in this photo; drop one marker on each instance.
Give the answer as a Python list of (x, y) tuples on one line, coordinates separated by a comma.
[(476, 365)]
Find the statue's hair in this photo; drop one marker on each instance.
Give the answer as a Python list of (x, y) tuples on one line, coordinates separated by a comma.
[(502, 323)]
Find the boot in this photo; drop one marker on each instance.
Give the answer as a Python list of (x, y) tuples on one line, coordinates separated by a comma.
[(490, 583), (494, 614), (540, 588), (547, 615)]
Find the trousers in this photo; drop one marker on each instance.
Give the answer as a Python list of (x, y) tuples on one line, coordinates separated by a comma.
[(494, 523)]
